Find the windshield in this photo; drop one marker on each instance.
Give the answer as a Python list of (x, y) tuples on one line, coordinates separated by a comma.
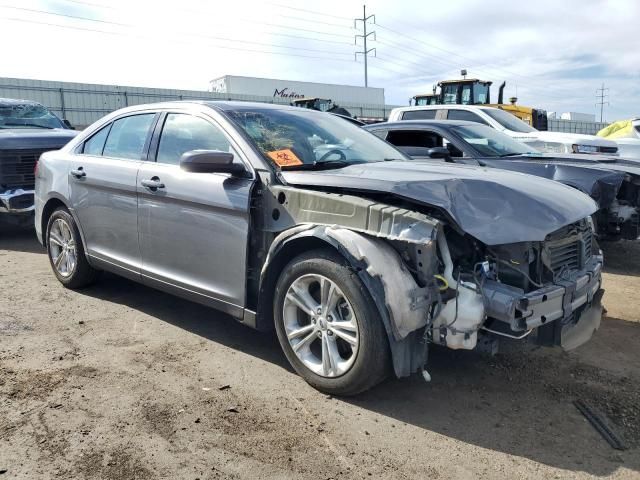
[(491, 143), (295, 138), (480, 93), (27, 115), (508, 121)]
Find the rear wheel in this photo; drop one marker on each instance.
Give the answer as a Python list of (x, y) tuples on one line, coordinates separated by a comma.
[(66, 252), (328, 325)]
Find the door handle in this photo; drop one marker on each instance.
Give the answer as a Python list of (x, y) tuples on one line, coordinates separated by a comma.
[(152, 184), (78, 172)]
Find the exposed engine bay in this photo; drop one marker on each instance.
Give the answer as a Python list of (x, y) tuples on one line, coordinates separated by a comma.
[(435, 284), (510, 290)]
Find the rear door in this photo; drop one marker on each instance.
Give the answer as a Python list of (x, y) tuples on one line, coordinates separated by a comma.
[(102, 184), (193, 226)]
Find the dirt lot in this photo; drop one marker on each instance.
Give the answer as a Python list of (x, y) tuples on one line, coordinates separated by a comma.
[(120, 382)]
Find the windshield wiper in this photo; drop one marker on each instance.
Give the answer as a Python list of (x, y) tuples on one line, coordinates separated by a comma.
[(512, 155), (26, 125), (328, 164)]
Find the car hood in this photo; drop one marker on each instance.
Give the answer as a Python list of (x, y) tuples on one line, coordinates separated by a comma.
[(599, 183), (617, 164), (568, 138), (494, 206), (15, 138)]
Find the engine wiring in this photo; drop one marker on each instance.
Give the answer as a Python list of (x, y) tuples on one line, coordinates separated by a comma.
[(524, 274)]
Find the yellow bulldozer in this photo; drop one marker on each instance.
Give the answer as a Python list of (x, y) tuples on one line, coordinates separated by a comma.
[(472, 91)]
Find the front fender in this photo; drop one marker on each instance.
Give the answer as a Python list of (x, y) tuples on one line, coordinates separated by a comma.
[(402, 304)]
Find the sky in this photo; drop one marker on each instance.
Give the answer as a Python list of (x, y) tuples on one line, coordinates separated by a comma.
[(552, 54)]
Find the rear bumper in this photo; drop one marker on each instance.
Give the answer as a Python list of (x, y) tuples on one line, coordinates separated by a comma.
[(566, 313), (17, 201)]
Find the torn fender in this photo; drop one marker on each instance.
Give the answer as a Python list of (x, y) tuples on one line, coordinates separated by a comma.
[(401, 302)]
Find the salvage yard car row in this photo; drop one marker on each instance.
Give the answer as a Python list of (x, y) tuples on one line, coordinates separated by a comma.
[(359, 256)]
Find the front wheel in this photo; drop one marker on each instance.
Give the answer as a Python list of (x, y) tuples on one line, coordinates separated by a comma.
[(328, 326)]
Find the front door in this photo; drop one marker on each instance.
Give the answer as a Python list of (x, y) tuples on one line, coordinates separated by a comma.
[(194, 226), (102, 184)]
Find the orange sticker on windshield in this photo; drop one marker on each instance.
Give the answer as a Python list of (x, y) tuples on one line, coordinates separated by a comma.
[(284, 158)]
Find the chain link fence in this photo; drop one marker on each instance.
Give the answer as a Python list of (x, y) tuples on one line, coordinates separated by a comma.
[(83, 104)]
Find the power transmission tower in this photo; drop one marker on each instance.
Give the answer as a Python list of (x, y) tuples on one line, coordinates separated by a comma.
[(601, 95), (365, 36)]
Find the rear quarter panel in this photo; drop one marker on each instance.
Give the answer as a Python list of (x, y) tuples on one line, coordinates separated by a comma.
[(52, 181)]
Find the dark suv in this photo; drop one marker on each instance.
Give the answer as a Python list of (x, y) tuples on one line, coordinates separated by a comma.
[(27, 129)]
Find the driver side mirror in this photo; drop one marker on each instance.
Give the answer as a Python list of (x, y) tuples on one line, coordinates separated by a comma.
[(210, 161), (438, 152), (67, 124)]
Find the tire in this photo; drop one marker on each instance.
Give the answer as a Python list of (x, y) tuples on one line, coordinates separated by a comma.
[(73, 271), (349, 370)]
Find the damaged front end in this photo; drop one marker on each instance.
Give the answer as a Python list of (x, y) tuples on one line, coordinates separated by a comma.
[(552, 287), (434, 284)]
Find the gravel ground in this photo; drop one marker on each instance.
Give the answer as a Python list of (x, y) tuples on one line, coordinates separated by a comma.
[(123, 382)]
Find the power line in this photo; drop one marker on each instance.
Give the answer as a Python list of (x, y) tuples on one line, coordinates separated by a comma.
[(601, 96), (487, 71), (414, 54), (243, 20), (213, 37), (313, 20), (364, 37), (178, 39), (308, 11), (475, 61)]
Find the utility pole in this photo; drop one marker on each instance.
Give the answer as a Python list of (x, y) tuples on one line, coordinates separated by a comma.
[(364, 36), (601, 95)]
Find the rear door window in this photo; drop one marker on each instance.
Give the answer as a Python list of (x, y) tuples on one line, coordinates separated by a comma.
[(380, 133), (419, 115), (128, 137), (95, 144), (465, 115), (414, 138)]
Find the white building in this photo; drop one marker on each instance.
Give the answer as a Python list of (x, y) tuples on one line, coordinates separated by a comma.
[(288, 89), (575, 116)]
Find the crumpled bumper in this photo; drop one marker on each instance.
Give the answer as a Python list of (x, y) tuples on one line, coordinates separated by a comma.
[(17, 201), (566, 313)]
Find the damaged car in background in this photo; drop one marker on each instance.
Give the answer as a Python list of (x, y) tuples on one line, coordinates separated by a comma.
[(27, 129), (612, 182), (292, 219)]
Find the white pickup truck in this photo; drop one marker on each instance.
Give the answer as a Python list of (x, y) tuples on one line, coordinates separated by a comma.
[(553, 142)]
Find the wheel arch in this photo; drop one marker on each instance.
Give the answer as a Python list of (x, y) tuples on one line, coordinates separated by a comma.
[(286, 246), (51, 206), (406, 349)]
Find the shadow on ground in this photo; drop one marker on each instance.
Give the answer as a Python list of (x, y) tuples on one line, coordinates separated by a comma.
[(19, 239), (516, 403), (622, 257)]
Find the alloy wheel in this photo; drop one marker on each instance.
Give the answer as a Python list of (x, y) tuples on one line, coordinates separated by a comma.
[(62, 248), (320, 325)]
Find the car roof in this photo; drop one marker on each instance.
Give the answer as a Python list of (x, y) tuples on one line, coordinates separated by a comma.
[(10, 102), (406, 124), (220, 105), (448, 106)]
